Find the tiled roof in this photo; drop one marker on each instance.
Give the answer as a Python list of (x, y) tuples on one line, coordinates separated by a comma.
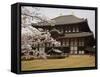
[(67, 19)]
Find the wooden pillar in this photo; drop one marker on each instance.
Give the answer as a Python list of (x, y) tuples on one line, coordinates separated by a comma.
[(64, 28)]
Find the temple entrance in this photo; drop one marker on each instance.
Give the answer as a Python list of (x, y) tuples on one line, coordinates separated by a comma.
[(73, 50)]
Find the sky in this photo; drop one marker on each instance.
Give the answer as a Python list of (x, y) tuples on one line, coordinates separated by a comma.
[(54, 12)]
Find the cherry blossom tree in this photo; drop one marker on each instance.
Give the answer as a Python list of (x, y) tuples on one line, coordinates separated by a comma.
[(30, 35)]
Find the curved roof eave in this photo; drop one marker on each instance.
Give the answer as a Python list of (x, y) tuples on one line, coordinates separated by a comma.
[(75, 35)]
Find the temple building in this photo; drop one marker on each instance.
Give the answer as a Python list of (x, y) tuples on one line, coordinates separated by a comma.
[(72, 32)]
